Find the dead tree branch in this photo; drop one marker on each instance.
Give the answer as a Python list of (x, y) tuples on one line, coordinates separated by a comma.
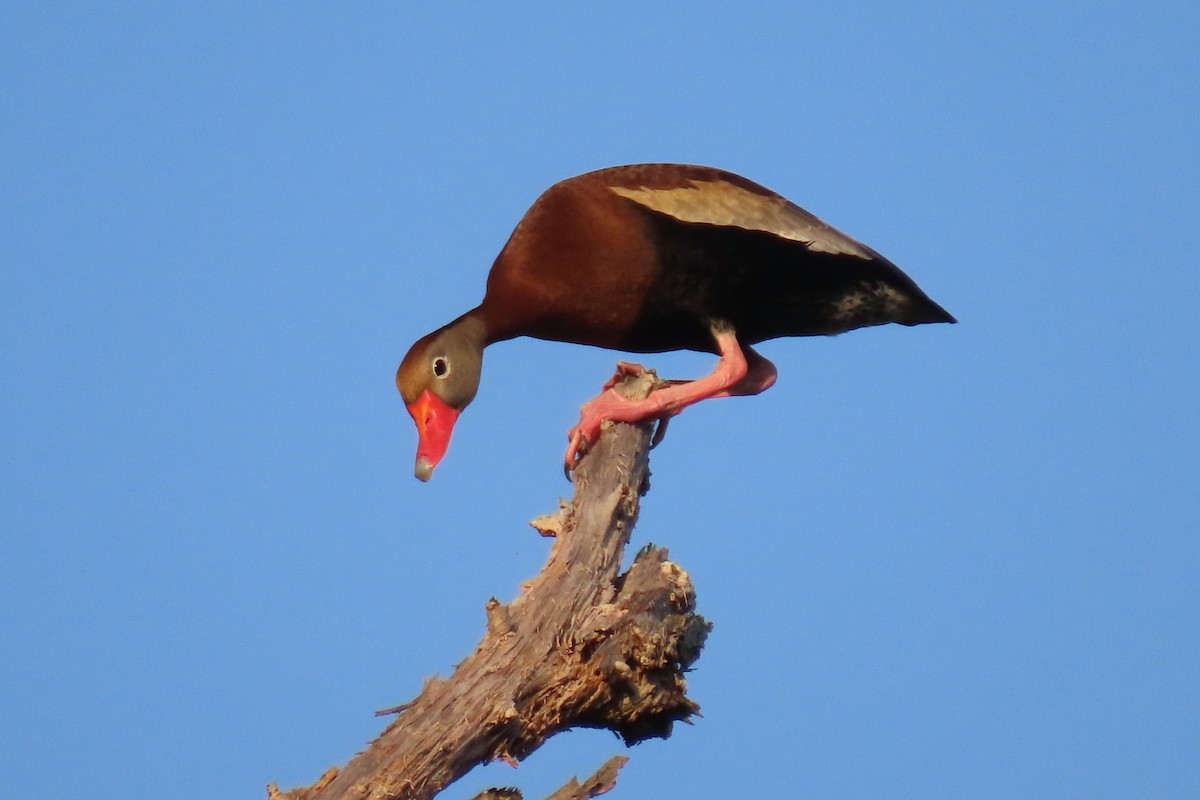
[(604, 779), (582, 645)]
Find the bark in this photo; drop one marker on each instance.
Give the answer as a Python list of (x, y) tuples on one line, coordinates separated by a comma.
[(582, 645), (603, 780)]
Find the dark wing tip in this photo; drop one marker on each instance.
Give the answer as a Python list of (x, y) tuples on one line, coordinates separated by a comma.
[(946, 316), (929, 312)]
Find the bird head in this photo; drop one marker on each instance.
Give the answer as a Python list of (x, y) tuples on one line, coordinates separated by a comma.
[(437, 380)]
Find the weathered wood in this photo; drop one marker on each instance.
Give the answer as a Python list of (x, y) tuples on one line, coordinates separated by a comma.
[(601, 781), (582, 645)]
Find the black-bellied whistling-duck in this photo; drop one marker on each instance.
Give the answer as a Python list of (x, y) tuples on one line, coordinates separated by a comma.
[(654, 257)]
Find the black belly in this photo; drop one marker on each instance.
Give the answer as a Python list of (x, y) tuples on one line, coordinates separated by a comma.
[(765, 287)]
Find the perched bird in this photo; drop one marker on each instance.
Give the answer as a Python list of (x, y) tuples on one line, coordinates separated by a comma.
[(654, 257)]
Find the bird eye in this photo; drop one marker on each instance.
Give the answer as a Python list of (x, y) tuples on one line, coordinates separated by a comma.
[(441, 367)]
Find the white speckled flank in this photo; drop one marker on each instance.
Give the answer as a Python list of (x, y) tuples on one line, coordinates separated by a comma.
[(721, 203), (870, 299)]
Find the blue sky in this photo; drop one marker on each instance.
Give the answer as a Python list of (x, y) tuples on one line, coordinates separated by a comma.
[(941, 562)]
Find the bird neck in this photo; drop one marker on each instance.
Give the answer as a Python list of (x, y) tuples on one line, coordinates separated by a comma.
[(471, 329)]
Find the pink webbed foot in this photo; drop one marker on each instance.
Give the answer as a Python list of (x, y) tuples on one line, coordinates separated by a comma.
[(587, 431), (738, 372), (611, 406)]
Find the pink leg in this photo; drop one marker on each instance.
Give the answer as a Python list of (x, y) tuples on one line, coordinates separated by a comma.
[(760, 376), (733, 375)]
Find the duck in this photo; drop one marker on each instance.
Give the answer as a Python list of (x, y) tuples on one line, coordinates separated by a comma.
[(651, 258)]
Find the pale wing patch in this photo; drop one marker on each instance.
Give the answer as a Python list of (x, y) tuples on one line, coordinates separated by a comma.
[(722, 203)]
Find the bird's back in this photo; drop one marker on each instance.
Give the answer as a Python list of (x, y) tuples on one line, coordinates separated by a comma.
[(644, 257)]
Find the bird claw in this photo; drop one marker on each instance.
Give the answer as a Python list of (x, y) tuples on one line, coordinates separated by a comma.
[(575, 451), (581, 438), (593, 415)]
